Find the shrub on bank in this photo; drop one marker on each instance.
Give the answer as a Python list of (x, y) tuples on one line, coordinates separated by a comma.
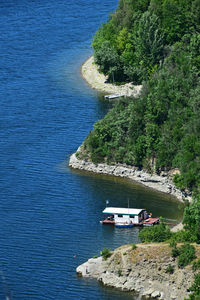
[(196, 265), (182, 236), (158, 233), (105, 253), (170, 269), (119, 273), (187, 254), (195, 288), (175, 252), (133, 246)]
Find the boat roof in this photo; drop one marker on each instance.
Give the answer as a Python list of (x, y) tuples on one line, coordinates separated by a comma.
[(122, 211)]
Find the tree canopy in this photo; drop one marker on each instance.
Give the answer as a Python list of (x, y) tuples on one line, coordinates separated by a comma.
[(139, 35)]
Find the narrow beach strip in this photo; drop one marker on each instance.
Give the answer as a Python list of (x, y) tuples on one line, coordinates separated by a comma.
[(96, 80)]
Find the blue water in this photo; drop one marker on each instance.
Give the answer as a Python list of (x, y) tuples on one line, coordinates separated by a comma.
[(49, 214)]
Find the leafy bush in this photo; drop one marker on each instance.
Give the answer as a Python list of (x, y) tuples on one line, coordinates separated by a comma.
[(182, 236), (157, 233), (119, 273), (97, 157), (106, 253), (196, 265), (179, 181), (170, 269), (77, 154), (175, 252), (187, 254), (195, 288), (133, 246), (172, 243)]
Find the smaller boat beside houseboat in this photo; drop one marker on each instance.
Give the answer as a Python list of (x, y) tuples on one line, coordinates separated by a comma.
[(113, 96), (128, 217)]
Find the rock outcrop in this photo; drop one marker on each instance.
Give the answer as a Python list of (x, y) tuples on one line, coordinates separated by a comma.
[(162, 183), (149, 270)]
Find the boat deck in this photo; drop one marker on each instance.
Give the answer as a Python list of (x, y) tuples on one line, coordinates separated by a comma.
[(107, 222), (151, 221), (147, 222)]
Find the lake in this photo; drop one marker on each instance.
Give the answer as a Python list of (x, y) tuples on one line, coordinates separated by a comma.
[(49, 214)]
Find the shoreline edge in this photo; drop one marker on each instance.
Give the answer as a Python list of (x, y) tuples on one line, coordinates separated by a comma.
[(98, 81), (162, 183)]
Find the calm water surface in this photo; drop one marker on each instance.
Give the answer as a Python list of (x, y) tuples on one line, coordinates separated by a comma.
[(49, 213)]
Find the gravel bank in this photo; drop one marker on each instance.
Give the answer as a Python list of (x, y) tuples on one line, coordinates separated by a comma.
[(97, 81)]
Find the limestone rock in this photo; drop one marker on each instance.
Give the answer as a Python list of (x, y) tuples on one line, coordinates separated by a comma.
[(155, 181), (155, 294), (137, 275), (149, 292)]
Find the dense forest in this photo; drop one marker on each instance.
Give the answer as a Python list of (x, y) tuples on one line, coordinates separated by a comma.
[(155, 43), (138, 37)]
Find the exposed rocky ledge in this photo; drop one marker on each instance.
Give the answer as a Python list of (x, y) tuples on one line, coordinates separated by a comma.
[(143, 270), (162, 183)]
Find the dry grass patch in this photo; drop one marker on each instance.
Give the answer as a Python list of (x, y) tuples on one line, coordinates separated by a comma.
[(150, 252)]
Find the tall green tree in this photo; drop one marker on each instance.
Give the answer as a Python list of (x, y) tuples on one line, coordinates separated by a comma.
[(149, 42), (109, 62)]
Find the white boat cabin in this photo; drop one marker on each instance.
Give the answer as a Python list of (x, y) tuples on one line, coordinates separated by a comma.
[(126, 215)]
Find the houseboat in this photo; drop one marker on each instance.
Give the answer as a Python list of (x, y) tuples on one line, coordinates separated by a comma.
[(128, 217)]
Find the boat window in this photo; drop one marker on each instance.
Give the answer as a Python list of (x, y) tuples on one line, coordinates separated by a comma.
[(120, 216), (132, 216)]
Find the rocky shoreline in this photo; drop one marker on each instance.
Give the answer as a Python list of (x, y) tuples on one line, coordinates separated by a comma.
[(144, 269), (162, 183)]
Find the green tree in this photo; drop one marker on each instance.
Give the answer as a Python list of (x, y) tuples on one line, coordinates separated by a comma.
[(109, 61), (149, 42), (177, 19), (191, 219)]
